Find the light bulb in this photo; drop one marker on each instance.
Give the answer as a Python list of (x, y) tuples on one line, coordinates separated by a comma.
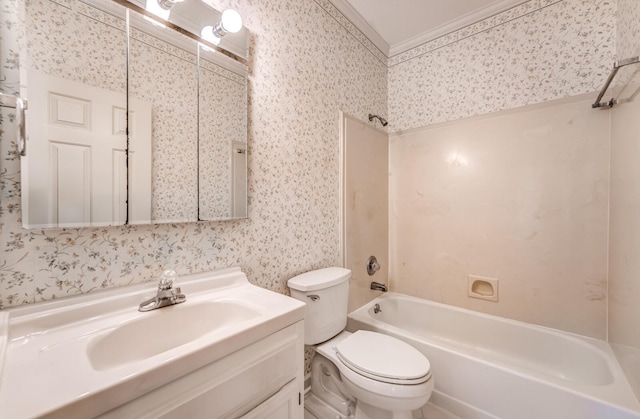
[(154, 7), (231, 21)]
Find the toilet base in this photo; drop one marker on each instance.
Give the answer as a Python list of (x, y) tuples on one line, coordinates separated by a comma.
[(329, 398), (321, 409), (364, 411)]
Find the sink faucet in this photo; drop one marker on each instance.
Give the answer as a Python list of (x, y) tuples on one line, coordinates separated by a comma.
[(167, 295)]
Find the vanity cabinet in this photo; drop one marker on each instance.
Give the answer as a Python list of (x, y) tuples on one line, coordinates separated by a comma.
[(263, 380)]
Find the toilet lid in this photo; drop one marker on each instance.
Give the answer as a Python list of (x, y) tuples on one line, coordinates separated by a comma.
[(383, 357)]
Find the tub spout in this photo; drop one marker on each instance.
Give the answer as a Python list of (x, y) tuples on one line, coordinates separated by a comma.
[(378, 286)]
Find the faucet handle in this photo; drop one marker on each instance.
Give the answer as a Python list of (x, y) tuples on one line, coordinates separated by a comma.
[(372, 265), (167, 279)]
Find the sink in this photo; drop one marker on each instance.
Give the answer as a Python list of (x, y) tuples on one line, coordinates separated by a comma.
[(161, 330), (86, 355)]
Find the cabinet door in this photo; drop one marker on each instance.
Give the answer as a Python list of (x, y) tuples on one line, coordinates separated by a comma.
[(285, 404), (267, 373)]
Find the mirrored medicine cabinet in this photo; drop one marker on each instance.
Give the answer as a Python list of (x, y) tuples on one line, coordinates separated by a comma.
[(130, 121)]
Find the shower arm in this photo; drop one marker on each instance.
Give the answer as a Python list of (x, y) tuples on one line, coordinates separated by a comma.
[(379, 118)]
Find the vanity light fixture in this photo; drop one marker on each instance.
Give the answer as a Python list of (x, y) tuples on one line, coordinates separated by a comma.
[(168, 4), (161, 8), (230, 22)]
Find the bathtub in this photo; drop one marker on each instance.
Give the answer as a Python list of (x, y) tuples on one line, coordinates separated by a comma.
[(491, 367)]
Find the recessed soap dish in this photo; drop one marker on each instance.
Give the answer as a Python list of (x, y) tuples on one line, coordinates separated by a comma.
[(483, 288)]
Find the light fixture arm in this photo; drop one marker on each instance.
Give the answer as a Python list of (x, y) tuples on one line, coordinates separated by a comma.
[(219, 31), (168, 4)]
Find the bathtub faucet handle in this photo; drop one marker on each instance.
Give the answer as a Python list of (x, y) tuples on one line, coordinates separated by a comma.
[(372, 265)]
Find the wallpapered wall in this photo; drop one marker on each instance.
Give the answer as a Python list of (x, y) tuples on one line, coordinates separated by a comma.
[(223, 116), (306, 64), (174, 192), (539, 51), (628, 29)]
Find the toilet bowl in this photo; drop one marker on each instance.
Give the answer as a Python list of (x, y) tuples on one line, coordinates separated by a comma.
[(380, 371), (371, 375)]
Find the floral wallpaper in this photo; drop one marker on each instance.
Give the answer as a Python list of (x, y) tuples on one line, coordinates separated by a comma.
[(223, 115), (628, 30), (539, 51), (62, 41), (305, 66), (351, 28), (625, 84), (174, 118)]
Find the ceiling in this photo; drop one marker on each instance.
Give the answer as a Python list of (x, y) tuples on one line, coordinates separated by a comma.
[(398, 25)]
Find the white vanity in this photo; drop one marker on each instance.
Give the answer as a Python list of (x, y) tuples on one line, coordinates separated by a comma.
[(231, 350)]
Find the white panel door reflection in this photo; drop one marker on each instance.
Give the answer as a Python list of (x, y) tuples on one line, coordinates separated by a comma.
[(75, 172)]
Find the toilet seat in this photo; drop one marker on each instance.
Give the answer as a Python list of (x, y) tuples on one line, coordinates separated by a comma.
[(383, 358)]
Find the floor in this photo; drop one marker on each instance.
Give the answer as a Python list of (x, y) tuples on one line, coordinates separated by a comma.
[(429, 411)]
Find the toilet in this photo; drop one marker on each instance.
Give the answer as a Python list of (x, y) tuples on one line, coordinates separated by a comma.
[(360, 375)]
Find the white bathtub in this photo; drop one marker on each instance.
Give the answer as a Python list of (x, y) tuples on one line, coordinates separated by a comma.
[(486, 366)]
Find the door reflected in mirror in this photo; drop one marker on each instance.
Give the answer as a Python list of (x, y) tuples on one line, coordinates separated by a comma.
[(74, 173)]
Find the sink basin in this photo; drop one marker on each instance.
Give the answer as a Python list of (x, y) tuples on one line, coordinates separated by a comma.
[(163, 329), (87, 355)]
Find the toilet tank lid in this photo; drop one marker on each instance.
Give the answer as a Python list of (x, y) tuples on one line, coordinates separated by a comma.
[(319, 279)]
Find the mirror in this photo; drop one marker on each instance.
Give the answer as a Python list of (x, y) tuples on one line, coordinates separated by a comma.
[(75, 61), (163, 83), (222, 175), (185, 156)]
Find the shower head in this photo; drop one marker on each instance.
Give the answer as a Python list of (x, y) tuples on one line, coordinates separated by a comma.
[(379, 118)]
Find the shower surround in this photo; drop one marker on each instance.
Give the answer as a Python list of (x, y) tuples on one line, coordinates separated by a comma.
[(520, 196)]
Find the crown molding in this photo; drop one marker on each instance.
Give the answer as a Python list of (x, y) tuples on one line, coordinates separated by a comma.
[(350, 13), (454, 25)]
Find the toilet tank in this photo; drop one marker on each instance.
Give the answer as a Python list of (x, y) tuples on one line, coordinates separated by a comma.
[(326, 294)]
